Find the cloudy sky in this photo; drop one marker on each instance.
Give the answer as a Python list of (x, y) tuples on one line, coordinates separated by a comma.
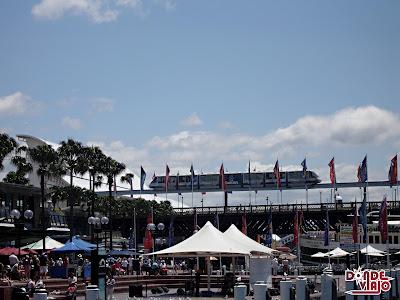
[(156, 81)]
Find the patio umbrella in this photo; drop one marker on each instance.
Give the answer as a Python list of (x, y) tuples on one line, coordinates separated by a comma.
[(288, 256), (11, 250), (318, 255)]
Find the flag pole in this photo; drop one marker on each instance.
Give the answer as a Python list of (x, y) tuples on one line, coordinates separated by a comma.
[(134, 228), (249, 184), (191, 173)]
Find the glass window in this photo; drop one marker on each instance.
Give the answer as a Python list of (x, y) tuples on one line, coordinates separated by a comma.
[(371, 239), (396, 239), (376, 239), (390, 239)]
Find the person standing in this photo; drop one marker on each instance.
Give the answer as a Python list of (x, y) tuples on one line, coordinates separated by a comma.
[(43, 266), (110, 287), (130, 265)]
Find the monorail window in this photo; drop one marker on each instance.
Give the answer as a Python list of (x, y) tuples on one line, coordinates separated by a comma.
[(160, 179), (396, 240), (390, 239)]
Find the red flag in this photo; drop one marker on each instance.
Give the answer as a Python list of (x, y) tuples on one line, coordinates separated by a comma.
[(222, 177), (277, 175), (244, 224), (148, 239), (393, 171), (332, 170), (166, 177), (383, 226), (296, 228), (355, 225)]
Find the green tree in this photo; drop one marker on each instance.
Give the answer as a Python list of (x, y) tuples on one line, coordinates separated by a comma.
[(128, 178), (23, 168), (49, 166), (73, 161), (7, 145)]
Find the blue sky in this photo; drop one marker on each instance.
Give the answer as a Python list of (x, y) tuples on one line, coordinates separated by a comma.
[(157, 81)]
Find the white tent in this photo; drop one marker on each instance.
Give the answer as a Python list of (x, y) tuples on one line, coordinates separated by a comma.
[(237, 237), (49, 243), (369, 250), (337, 253), (318, 255), (206, 242)]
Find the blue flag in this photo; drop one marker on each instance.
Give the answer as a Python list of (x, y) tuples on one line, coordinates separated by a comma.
[(363, 171), (268, 239), (142, 178), (304, 165), (362, 211), (216, 221), (171, 233), (326, 234)]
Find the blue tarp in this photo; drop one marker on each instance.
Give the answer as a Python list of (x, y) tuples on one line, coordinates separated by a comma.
[(76, 245)]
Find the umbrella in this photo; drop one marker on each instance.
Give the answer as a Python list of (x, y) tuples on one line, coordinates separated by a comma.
[(374, 254), (318, 255), (49, 242), (11, 250), (370, 249), (337, 253), (288, 256)]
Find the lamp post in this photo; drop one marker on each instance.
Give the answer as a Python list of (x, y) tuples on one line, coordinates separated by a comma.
[(18, 223), (159, 241), (97, 223)]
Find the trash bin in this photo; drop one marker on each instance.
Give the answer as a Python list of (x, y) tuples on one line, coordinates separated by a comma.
[(40, 294), (260, 291), (92, 292), (19, 293), (240, 291), (136, 290)]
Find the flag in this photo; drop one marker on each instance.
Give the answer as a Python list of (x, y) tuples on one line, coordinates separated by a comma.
[(355, 225), (392, 176), (277, 175), (148, 239), (326, 233), (301, 222), (249, 172), (304, 165), (269, 229), (244, 224), (383, 222), (222, 177), (296, 228), (332, 173), (142, 178), (192, 170), (154, 177), (362, 211), (362, 173), (216, 220), (166, 176), (171, 232), (177, 182)]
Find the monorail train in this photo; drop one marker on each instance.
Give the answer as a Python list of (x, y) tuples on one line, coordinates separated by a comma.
[(235, 180)]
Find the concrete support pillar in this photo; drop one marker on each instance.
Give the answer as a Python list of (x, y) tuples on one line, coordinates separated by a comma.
[(260, 291)]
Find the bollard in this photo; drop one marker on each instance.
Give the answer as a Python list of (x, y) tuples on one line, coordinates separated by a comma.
[(301, 283), (285, 286), (239, 292), (350, 285), (260, 291), (326, 286), (92, 292)]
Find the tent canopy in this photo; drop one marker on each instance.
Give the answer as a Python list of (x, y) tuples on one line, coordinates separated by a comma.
[(11, 250), (318, 255), (75, 245), (370, 250), (336, 253), (237, 237), (49, 243), (206, 242)]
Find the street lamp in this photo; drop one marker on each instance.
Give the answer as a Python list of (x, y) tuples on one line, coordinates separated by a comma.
[(97, 224), (159, 241), (15, 214)]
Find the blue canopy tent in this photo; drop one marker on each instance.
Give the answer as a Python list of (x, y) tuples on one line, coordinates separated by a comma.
[(75, 245)]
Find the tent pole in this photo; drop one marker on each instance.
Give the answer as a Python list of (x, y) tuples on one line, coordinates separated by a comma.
[(208, 274)]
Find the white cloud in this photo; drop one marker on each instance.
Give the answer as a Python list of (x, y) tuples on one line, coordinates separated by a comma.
[(102, 104), (98, 11), (72, 123), (192, 120), (168, 5), (226, 125), (17, 104)]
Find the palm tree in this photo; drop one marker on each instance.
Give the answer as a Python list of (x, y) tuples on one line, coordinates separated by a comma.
[(49, 166), (23, 168), (7, 145), (128, 178), (111, 168), (71, 155)]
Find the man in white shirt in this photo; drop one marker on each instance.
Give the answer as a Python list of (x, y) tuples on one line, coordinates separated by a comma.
[(13, 259), (130, 265)]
